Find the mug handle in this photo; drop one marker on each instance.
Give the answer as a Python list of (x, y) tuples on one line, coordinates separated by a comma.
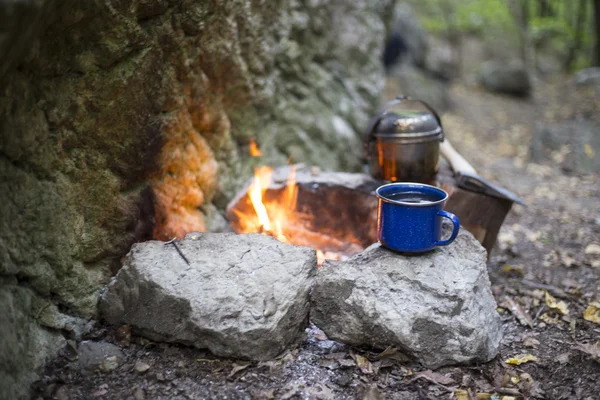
[(456, 225)]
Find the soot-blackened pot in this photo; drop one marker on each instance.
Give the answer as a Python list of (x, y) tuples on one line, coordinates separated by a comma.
[(402, 141)]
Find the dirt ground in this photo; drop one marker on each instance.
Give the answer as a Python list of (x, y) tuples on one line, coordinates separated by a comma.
[(545, 273)]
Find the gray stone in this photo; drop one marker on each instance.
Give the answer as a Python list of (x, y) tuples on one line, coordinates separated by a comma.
[(505, 77), (242, 296), (579, 141), (437, 306), (407, 25), (587, 77), (92, 356)]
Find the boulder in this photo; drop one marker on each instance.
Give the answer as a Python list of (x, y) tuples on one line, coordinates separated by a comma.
[(241, 296), (505, 77), (414, 38), (578, 141), (587, 77), (437, 306)]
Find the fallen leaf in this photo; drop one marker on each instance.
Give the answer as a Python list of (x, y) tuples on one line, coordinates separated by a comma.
[(520, 359), (329, 364), (346, 363), (206, 360), (515, 380), (436, 377), (589, 151), (515, 270), (237, 368), (393, 354), (484, 396), (592, 312), (549, 319), (364, 364), (320, 392), (518, 312), (561, 306), (591, 349), (461, 394)]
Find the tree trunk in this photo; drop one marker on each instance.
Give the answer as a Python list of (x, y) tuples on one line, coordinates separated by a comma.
[(596, 58), (578, 36), (545, 9)]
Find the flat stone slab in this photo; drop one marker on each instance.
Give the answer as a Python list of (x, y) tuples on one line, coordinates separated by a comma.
[(242, 296), (437, 307)]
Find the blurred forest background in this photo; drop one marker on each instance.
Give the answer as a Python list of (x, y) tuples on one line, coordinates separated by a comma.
[(549, 36)]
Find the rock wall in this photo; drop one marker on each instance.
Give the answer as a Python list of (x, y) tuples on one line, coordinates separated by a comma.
[(126, 120)]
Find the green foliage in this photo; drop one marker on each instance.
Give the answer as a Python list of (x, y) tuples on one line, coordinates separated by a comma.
[(466, 16)]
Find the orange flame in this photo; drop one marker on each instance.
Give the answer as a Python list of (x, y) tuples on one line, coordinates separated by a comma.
[(254, 150), (270, 216)]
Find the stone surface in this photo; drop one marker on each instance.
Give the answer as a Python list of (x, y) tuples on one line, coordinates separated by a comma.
[(438, 306), (242, 296), (574, 145), (406, 24), (121, 121), (92, 356), (505, 77), (587, 77)]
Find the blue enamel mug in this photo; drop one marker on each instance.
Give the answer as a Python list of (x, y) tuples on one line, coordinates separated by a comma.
[(409, 217)]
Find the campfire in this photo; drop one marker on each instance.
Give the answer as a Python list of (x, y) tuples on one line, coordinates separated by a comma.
[(305, 213)]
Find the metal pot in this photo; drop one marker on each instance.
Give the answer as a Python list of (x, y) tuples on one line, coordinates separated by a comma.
[(402, 141)]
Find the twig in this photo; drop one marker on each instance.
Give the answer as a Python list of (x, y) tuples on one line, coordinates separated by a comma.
[(172, 241), (552, 289)]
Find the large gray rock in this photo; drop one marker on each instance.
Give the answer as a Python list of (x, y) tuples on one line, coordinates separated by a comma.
[(437, 306), (580, 141), (126, 120), (505, 77), (242, 296)]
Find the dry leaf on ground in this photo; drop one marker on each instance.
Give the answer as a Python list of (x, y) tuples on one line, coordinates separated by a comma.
[(517, 311), (365, 365), (592, 248), (592, 312), (560, 306), (436, 377), (393, 354), (591, 349), (520, 359)]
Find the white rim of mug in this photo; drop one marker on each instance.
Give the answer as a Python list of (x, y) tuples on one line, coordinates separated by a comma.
[(408, 184)]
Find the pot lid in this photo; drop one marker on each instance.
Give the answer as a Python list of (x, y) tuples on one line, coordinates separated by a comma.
[(407, 123), (408, 118)]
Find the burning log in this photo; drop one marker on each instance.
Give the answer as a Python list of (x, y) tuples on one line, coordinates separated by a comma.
[(331, 211)]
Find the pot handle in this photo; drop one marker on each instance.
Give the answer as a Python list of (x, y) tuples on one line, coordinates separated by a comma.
[(397, 100)]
